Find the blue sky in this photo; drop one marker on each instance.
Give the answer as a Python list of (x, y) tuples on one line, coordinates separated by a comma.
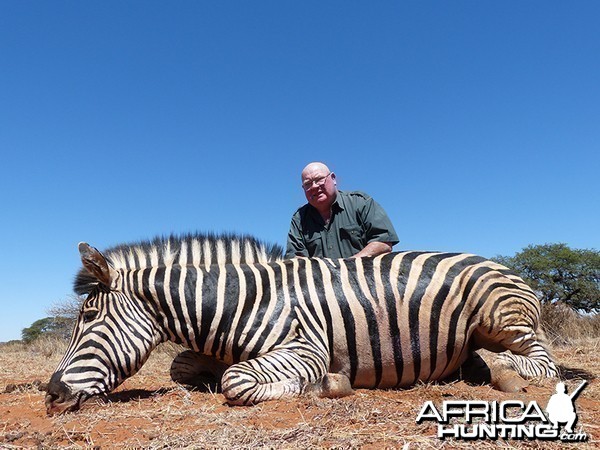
[(475, 124)]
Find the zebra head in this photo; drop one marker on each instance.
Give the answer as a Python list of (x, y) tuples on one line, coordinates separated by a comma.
[(112, 338)]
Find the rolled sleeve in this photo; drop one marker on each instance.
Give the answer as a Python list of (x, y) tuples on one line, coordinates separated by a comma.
[(377, 225)]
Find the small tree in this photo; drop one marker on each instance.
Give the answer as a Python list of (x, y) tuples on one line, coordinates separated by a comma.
[(48, 326), (59, 323), (558, 273)]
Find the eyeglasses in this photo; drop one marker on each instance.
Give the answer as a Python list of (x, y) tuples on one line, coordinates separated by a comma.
[(308, 184)]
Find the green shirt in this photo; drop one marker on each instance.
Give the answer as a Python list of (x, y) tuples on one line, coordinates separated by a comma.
[(356, 220)]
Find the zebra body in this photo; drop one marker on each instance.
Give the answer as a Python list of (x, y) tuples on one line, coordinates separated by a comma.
[(283, 326)]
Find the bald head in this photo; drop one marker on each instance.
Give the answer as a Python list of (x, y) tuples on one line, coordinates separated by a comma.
[(314, 169), (319, 186)]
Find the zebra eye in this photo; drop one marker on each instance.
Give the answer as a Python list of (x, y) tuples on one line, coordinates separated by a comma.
[(90, 315)]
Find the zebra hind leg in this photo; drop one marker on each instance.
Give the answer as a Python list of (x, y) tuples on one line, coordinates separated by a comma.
[(528, 359), (199, 371), (492, 368), (483, 367)]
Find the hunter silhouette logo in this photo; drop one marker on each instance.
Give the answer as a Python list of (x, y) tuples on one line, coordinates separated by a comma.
[(561, 406), (510, 419)]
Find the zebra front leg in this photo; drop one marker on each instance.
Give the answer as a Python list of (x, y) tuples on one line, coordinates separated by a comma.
[(281, 373)]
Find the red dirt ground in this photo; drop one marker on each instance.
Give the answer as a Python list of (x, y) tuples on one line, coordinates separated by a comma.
[(150, 411)]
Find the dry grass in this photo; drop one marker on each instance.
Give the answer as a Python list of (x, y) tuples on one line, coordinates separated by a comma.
[(149, 411), (563, 325)]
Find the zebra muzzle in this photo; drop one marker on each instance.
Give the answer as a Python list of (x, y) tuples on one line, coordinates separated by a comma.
[(59, 398)]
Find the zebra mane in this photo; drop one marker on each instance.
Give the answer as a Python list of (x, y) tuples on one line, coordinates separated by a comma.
[(200, 249)]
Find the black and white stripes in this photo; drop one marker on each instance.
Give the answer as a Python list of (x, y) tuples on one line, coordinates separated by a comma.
[(283, 325)]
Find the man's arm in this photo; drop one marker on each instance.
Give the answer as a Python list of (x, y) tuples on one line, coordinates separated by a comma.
[(380, 233), (374, 248)]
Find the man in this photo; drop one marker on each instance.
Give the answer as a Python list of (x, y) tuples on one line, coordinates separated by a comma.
[(337, 224)]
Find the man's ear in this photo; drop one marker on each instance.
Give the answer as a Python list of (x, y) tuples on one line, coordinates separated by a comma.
[(97, 265)]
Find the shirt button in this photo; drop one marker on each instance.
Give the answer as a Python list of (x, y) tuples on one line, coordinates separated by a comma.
[(330, 247)]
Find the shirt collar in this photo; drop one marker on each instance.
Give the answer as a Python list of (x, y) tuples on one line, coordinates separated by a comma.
[(338, 203)]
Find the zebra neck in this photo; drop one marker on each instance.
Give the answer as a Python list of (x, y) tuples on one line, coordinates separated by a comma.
[(194, 306)]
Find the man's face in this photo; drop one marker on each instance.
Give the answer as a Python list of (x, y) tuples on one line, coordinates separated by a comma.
[(319, 187)]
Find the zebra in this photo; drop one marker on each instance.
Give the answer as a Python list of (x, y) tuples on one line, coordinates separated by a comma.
[(283, 328)]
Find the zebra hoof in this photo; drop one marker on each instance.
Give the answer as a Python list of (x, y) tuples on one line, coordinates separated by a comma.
[(510, 382), (333, 385)]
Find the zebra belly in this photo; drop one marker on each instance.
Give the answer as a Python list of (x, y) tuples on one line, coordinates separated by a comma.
[(386, 360), (402, 373)]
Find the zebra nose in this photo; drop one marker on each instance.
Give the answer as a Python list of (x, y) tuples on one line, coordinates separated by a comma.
[(58, 392), (51, 399)]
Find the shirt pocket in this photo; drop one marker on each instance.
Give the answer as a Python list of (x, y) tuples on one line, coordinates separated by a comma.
[(354, 235), (313, 245)]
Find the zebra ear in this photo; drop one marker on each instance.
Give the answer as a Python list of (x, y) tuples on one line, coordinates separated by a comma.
[(97, 265)]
